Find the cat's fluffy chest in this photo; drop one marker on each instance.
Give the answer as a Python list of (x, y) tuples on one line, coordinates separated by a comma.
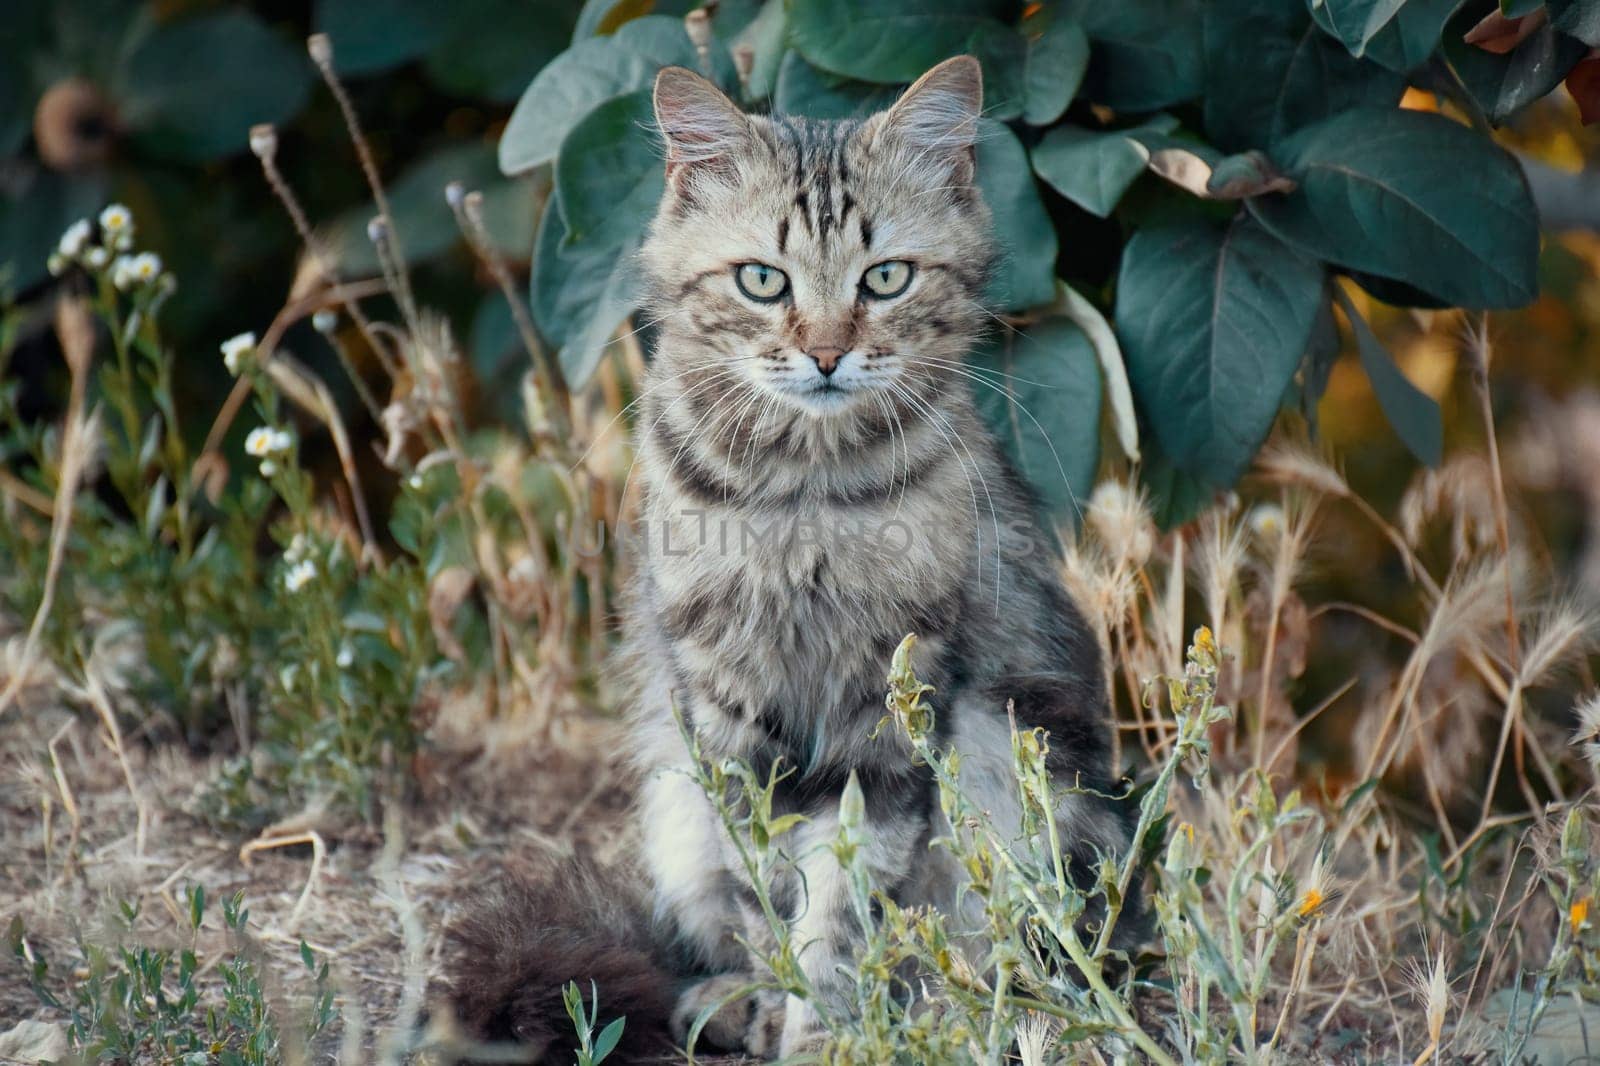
[(797, 609)]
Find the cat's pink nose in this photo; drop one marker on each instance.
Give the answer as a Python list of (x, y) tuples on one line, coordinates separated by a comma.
[(827, 359)]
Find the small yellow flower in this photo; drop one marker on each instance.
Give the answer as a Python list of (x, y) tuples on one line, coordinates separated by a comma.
[(1204, 641), (1310, 903), (1579, 915)]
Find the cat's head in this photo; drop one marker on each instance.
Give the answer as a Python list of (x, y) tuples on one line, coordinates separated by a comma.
[(828, 265)]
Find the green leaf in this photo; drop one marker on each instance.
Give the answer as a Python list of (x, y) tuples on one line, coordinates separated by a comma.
[(802, 89), (1003, 54), (585, 76), (1579, 18), (1395, 293), (609, 174), (580, 292), (35, 208), (20, 30), (767, 37), (193, 89), (606, 1042), (1146, 53), (1289, 75), (1213, 321), (1400, 34), (197, 906), (1176, 496), (491, 49), (1412, 412), (1025, 275), (1382, 192), (1502, 85), (1039, 391), (1354, 23), (885, 40), (1316, 367), (1053, 70), (601, 18), (1091, 169), (371, 36), (425, 222)]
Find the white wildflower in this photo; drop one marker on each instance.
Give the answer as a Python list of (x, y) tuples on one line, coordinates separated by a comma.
[(287, 676), (145, 267), (259, 442), (56, 264), (269, 468), (122, 272), (299, 575), (116, 219), (74, 239), (415, 481), (264, 441), (96, 258), (347, 657), (299, 548), (1266, 520), (235, 350)]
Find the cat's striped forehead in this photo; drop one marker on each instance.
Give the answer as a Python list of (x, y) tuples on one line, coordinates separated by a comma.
[(815, 159)]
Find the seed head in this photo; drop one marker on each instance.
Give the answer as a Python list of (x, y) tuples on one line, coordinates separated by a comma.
[(264, 141)]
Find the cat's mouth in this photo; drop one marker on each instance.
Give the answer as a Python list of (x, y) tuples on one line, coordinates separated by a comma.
[(826, 396)]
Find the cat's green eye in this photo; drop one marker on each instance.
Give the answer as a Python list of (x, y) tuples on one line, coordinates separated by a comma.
[(761, 282), (887, 279)]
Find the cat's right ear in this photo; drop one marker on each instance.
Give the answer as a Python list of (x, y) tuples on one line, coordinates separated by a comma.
[(702, 127), (938, 116)]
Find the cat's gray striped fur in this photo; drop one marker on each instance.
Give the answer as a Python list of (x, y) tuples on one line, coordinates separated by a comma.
[(799, 523)]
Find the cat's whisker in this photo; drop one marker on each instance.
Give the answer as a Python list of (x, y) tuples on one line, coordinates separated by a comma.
[(735, 394), (934, 420), (892, 419), (733, 438), (940, 419), (649, 389), (986, 371), (715, 377), (1019, 405)]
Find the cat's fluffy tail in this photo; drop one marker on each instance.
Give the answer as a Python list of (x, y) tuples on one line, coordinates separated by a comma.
[(514, 950)]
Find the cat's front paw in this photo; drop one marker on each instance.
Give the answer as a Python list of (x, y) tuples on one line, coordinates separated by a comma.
[(764, 1036), (731, 1008), (802, 1031)]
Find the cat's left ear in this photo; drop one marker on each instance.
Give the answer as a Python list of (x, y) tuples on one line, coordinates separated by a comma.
[(702, 127), (938, 115)]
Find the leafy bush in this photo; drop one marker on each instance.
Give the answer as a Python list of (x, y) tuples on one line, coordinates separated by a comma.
[(127, 1001), (1288, 165)]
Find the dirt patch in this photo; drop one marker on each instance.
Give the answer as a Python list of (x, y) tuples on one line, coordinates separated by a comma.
[(370, 899)]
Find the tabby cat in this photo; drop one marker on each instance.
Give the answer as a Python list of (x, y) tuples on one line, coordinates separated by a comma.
[(816, 483)]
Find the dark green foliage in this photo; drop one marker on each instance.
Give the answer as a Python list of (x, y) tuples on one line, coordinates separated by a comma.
[(1041, 388), (1215, 319), (1079, 95), (1215, 300)]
